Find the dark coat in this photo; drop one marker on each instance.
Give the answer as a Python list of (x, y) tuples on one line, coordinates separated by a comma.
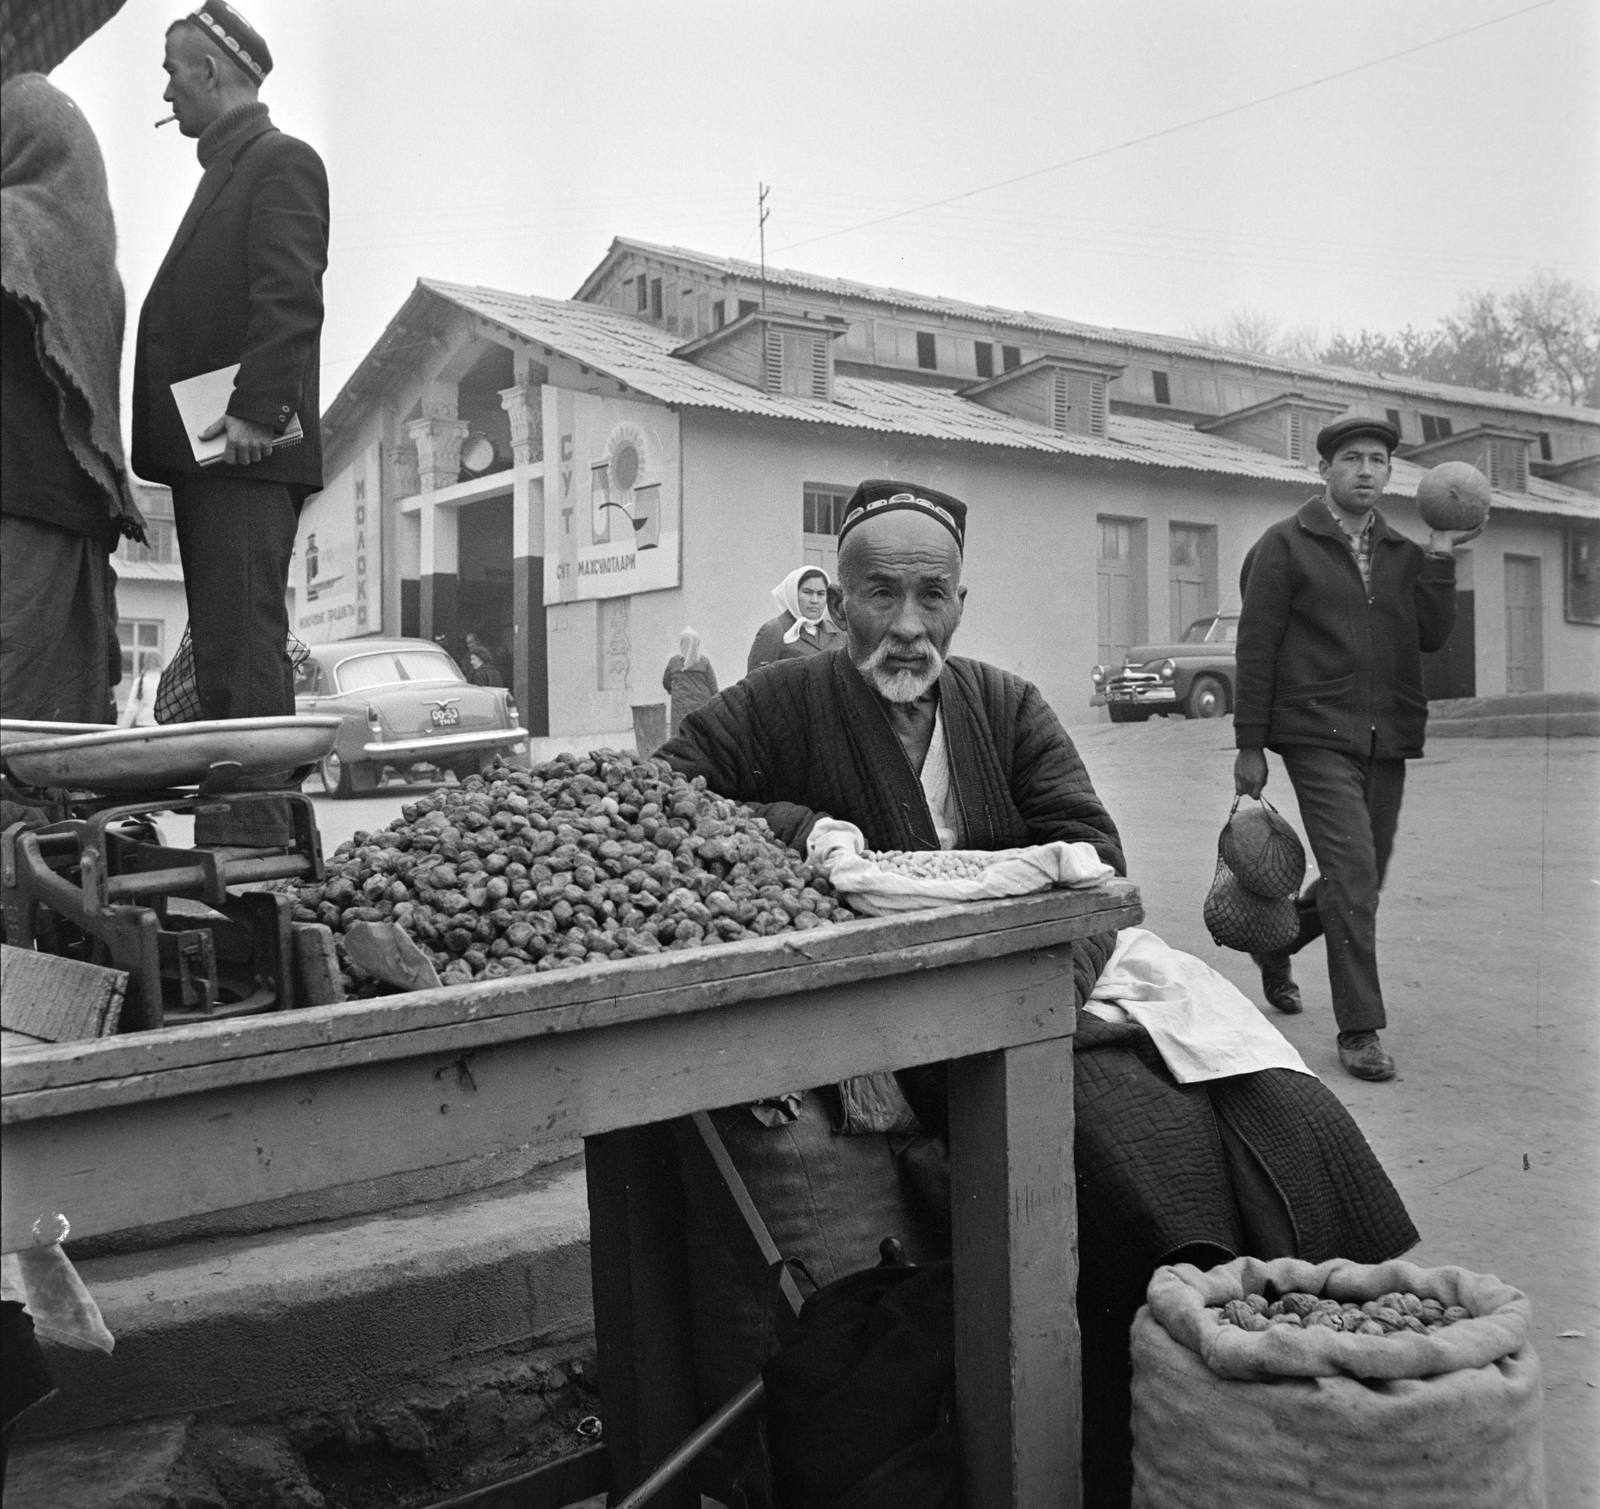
[(689, 687), (808, 738), (768, 645), (242, 282), (1321, 660)]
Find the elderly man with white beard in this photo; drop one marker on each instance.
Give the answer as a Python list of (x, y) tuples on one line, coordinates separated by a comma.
[(924, 750)]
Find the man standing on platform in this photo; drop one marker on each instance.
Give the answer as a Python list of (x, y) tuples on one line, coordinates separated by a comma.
[(1338, 609), (241, 283)]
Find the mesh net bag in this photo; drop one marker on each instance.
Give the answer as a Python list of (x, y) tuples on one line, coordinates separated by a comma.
[(1263, 852), (1238, 918), (178, 694)]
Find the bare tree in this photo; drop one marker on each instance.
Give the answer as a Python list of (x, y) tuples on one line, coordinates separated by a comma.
[(1557, 324)]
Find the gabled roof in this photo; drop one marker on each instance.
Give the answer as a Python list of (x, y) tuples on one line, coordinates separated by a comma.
[(641, 356), (1049, 324)]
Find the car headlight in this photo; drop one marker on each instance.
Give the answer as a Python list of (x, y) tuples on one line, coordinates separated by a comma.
[(1168, 670), (1098, 675)]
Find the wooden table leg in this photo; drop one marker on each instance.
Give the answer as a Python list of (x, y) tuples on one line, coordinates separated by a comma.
[(1016, 1272), (641, 1304)]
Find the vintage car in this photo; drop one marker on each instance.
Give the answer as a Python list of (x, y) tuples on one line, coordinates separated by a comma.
[(405, 704), (1194, 677)]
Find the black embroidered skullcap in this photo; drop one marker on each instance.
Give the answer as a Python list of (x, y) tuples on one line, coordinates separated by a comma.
[(880, 497), (1331, 436), (235, 36)]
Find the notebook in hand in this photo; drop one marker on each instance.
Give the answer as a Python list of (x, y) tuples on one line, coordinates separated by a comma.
[(203, 400)]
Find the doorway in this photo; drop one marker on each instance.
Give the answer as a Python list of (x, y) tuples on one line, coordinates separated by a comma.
[(1524, 624), (1119, 574)]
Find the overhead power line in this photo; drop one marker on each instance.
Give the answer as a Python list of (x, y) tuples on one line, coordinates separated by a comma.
[(1199, 120)]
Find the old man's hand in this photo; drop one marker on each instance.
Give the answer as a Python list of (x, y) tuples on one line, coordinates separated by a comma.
[(1250, 772), (247, 442)]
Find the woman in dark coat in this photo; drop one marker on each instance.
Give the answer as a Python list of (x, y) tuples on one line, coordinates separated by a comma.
[(688, 679), (804, 627), (66, 496)]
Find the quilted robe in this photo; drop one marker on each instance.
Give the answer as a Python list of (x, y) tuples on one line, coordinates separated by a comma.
[(1266, 1164)]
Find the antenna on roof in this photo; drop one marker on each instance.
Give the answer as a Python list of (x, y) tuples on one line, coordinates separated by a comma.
[(761, 224)]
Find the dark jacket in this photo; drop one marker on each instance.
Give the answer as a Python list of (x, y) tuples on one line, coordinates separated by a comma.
[(1321, 660), (690, 688), (768, 645), (242, 282), (808, 738)]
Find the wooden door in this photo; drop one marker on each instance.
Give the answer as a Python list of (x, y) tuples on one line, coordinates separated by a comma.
[(1117, 589), (1191, 576), (1524, 624)]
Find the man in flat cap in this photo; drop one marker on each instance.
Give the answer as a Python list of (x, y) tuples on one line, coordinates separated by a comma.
[(1339, 608), (922, 749), (241, 283)]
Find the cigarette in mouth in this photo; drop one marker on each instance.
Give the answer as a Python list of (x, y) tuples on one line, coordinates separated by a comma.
[(166, 120)]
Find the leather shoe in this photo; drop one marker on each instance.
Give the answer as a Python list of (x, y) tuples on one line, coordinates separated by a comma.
[(1277, 983), (1362, 1055)]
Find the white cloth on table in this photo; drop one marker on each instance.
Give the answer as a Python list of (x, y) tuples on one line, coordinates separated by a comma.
[(1202, 1024)]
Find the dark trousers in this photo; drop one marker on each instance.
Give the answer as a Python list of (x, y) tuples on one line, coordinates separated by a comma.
[(236, 538), (1350, 807)]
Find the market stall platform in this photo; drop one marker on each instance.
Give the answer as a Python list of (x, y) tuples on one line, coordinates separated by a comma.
[(155, 1126)]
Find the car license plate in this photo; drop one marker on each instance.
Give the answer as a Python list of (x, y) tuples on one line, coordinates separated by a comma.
[(445, 717)]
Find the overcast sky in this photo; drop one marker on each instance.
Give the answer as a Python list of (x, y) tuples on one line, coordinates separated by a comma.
[(504, 142)]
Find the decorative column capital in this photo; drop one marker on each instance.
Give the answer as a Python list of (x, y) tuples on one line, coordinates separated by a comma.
[(403, 479), (438, 443), (524, 405)]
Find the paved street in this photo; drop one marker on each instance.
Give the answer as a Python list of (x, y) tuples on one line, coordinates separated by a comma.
[(1490, 942)]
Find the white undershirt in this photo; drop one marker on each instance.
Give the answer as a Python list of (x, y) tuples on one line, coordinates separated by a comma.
[(937, 787)]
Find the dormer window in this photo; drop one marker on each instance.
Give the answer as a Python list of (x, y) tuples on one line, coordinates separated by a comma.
[(1499, 452), (777, 353), (1063, 394), (1286, 426)]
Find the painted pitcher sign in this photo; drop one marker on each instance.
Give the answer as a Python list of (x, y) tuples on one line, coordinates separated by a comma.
[(613, 527)]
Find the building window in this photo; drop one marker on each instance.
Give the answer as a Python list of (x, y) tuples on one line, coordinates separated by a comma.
[(1583, 574), (655, 298), (139, 637), (926, 355), (821, 513), (719, 314), (1163, 390), (1436, 427), (1508, 465), (1544, 445), (747, 306), (161, 543), (1010, 357), (983, 355), (1393, 416), (642, 294)]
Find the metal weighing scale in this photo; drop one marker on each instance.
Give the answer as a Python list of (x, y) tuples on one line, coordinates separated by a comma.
[(95, 881)]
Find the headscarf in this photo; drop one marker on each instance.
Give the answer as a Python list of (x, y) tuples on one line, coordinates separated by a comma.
[(787, 596), (689, 648), (58, 258)]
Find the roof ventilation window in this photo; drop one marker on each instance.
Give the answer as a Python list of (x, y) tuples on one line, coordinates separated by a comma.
[(1499, 452), (775, 352), (1062, 394), (1286, 425)]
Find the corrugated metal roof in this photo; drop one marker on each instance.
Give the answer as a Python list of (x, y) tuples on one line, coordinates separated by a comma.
[(1026, 319), (640, 355)]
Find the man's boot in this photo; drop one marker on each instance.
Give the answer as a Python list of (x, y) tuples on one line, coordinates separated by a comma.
[(1362, 1055), (1277, 983)]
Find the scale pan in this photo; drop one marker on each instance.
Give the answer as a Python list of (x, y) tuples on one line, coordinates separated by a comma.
[(176, 754)]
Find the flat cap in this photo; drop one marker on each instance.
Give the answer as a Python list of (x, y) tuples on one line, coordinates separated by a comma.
[(242, 43), (880, 497), (1331, 436)]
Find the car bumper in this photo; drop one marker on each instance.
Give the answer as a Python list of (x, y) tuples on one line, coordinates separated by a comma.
[(446, 744), (1142, 696)]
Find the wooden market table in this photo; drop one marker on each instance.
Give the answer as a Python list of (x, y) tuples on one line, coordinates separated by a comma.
[(150, 1127)]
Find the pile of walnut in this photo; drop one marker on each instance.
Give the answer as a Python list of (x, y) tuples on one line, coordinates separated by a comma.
[(932, 864), (1384, 1316), (581, 860)]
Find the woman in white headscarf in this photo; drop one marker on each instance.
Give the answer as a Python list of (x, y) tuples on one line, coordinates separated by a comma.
[(688, 678), (804, 627)]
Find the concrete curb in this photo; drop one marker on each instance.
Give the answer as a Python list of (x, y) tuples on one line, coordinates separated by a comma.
[(1516, 726), (323, 1316)]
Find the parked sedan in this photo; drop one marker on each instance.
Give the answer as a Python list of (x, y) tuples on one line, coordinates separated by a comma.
[(1194, 677), (404, 703)]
